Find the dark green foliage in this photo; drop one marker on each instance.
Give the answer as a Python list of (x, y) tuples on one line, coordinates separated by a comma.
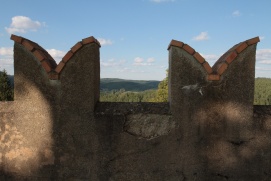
[(127, 96), (6, 91), (162, 92), (262, 93), (120, 90), (109, 84)]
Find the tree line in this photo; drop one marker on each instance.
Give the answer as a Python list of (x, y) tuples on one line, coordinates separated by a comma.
[(262, 93), (6, 90)]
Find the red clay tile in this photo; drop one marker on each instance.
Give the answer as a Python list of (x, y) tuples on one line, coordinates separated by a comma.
[(28, 45), (59, 67), (231, 57), (17, 39), (207, 67), (67, 57), (53, 76), (199, 58), (189, 49), (213, 77), (46, 66), (222, 68), (76, 47), (39, 55), (241, 47), (253, 40), (175, 43), (88, 40)]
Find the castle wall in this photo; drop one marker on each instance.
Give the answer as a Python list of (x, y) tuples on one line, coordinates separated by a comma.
[(56, 129)]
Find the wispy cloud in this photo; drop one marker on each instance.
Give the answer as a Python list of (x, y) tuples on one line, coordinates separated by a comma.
[(236, 13), (23, 24), (105, 41), (263, 56), (6, 51), (112, 63), (210, 58), (138, 61), (161, 1), (262, 38), (201, 37), (56, 54), (6, 59)]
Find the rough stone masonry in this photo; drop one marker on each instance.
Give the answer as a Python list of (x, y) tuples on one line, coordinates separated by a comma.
[(56, 128)]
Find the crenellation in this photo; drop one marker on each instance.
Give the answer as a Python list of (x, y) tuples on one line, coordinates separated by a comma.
[(56, 128)]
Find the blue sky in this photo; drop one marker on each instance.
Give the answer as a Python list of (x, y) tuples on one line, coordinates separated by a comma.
[(135, 33)]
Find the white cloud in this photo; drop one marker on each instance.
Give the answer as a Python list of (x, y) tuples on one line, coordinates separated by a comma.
[(262, 38), (150, 60), (6, 59), (202, 36), (138, 61), (56, 54), (22, 24), (125, 69), (161, 1), (112, 63), (263, 69), (6, 51), (263, 56), (236, 13), (105, 41)]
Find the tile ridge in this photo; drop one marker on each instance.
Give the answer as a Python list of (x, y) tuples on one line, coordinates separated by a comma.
[(227, 58), (74, 49), (221, 65), (47, 62), (192, 52)]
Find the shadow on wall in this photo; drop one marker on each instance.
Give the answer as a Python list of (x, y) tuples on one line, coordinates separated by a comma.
[(56, 128)]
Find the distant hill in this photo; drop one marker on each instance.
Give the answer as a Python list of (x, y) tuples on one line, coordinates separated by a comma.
[(108, 84)]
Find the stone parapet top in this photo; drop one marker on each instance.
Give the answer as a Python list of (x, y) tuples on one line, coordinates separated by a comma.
[(222, 63), (48, 63)]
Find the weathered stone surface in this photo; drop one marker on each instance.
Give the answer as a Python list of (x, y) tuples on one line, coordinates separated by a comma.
[(149, 125), (56, 129)]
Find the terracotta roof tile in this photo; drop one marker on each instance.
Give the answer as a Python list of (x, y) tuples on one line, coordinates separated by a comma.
[(47, 62), (176, 44), (189, 49), (222, 63), (59, 67), (76, 47), (17, 39), (199, 58), (67, 57), (28, 45), (231, 57), (213, 77), (46, 65), (53, 75), (241, 47), (40, 56), (253, 40), (207, 67), (222, 68), (90, 39)]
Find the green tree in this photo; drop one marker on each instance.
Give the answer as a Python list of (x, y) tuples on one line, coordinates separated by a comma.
[(162, 92), (6, 92)]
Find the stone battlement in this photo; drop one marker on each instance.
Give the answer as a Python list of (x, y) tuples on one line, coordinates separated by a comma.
[(56, 128)]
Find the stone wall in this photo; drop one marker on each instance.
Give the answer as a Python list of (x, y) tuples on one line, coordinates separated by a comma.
[(56, 129)]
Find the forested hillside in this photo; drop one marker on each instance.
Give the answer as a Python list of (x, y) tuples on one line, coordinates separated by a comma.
[(109, 84), (120, 90)]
